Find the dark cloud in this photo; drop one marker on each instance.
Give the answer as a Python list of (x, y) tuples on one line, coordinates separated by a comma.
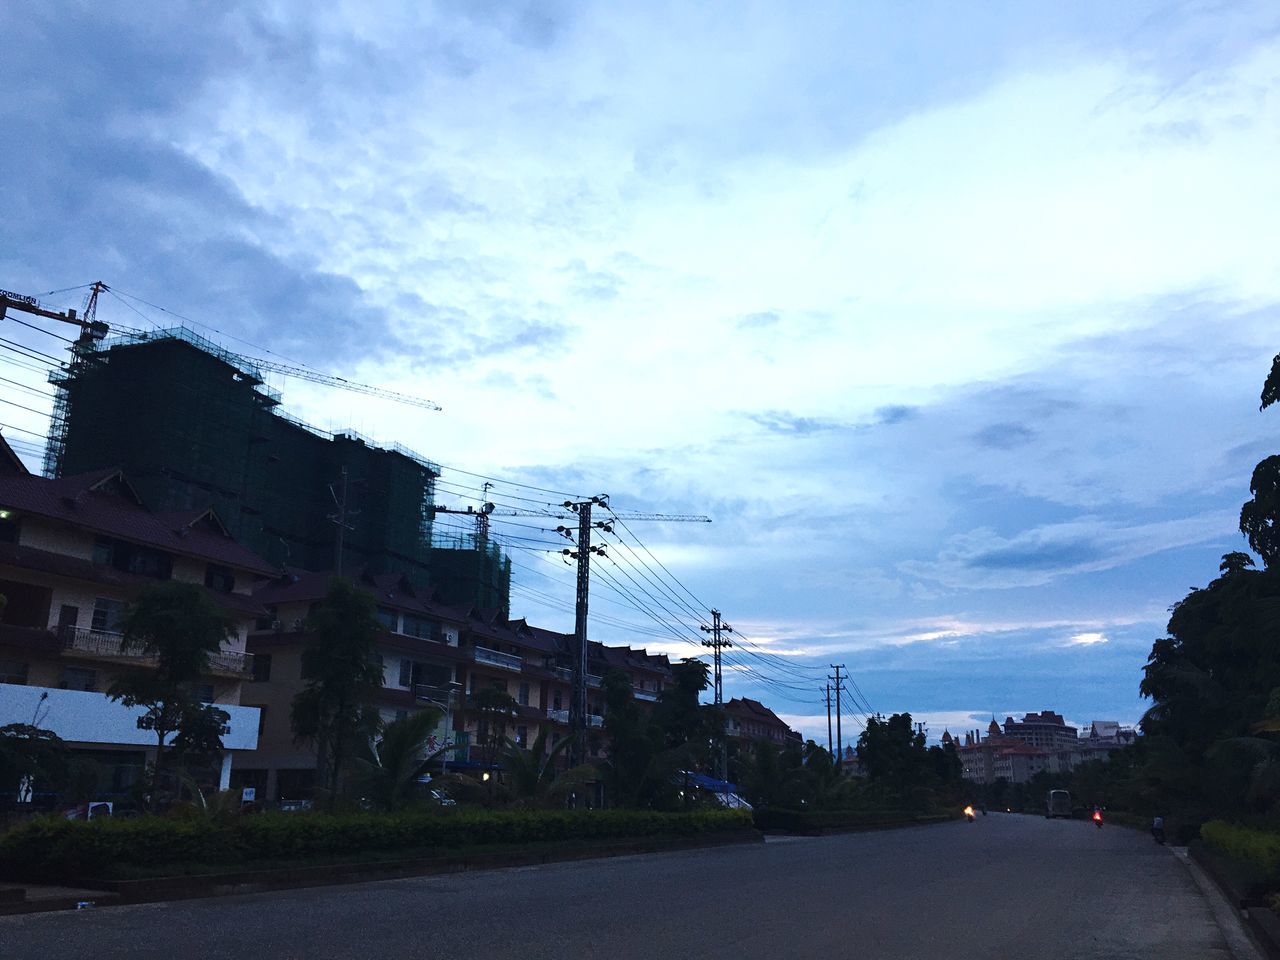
[(895, 413), (100, 191), (1004, 436), (788, 424), (1062, 555)]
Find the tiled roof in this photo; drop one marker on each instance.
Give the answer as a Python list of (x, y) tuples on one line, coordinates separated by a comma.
[(10, 463), (753, 709), (103, 502)]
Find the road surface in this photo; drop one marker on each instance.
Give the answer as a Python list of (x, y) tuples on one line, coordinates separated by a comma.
[(1003, 887)]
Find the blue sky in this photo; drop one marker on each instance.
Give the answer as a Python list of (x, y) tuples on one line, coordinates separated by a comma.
[(954, 321)]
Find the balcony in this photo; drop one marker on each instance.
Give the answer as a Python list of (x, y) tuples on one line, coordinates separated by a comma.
[(441, 696), (559, 716), (565, 674), (104, 645), (649, 695), (504, 661), (595, 721)]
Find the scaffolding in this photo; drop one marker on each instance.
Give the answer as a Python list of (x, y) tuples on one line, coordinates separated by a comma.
[(194, 425)]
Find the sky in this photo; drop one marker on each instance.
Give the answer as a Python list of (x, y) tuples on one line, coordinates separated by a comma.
[(952, 317)]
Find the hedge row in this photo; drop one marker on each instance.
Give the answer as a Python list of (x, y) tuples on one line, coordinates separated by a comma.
[(53, 848), (1260, 849)]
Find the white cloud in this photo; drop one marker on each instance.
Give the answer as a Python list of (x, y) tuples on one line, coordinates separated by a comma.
[(1088, 639)]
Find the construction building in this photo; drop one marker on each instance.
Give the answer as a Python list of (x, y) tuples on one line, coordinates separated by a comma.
[(194, 426)]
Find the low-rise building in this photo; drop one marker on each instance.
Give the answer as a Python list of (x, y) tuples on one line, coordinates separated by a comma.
[(74, 552), (747, 721)]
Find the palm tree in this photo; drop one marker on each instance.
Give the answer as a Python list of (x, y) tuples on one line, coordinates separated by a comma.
[(532, 779), (391, 767)]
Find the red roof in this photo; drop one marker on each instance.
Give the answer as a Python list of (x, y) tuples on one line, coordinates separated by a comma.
[(104, 502)]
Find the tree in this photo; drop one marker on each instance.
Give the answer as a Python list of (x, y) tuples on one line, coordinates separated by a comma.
[(178, 627), (339, 662), (495, 710), (532, 779), (392, 765)]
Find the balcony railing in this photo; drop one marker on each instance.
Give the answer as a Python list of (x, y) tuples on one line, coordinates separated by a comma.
[(493, 658), (445, 696), (595, 721), (559, 716), (565, 674), (650, 695), (108, 645)]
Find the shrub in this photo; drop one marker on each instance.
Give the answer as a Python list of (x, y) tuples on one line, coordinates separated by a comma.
[(778, 820), (1260, 849), (50, 848)]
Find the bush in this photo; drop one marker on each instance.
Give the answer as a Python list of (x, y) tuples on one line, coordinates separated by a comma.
[(51, 848), (1260, 849)]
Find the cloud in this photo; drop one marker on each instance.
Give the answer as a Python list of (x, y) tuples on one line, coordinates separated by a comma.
[(983, 558), (1088, 639), (895, 413), (783, 422), (761, 320), (1004, 436)]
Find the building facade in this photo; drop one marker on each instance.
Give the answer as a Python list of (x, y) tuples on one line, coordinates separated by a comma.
[(73, 553)]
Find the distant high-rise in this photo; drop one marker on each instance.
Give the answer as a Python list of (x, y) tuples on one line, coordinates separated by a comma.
[(194, 426)]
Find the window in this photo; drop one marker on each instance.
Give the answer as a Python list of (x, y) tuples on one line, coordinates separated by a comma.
[(270, 622), (522, 736), (261, 667), (204, 692), (406, 673), (13, 671), (79, 678), (220, 578), (523, 697), (420, 627), (8, 528), (107, 614), (555, 701), (132, 558), (387, 617)]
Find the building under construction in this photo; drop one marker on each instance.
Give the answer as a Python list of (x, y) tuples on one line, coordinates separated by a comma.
[(193, 425)]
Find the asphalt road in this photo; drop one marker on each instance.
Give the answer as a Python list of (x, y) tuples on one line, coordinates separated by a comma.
[(1003, 887)]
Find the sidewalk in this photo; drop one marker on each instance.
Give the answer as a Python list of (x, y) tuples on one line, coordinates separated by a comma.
[(35, 898)]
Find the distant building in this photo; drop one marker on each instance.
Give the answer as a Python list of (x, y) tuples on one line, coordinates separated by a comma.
[(1038, 742), (747, 721), (1046, 730)]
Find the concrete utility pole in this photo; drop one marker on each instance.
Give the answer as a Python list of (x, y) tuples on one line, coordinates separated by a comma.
[(578, 717), (717, 643), (827, 688), (839, 688)]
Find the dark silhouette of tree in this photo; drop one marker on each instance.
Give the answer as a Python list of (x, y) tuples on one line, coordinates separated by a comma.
[(179, 629), (340, 666)]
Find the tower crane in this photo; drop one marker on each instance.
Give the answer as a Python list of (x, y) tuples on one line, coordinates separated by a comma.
[(93, 331)]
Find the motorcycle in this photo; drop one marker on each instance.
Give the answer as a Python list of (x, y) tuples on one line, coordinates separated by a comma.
[(968, 814), (1157, 831), (1097, 819)]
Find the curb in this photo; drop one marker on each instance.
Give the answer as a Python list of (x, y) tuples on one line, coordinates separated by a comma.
[(1255, 921), (866, 827), (160, 889)]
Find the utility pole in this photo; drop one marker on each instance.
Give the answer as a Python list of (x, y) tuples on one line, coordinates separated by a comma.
[(839, 688), (827, 688), (578, 699), (340, 518), (717, 643)]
